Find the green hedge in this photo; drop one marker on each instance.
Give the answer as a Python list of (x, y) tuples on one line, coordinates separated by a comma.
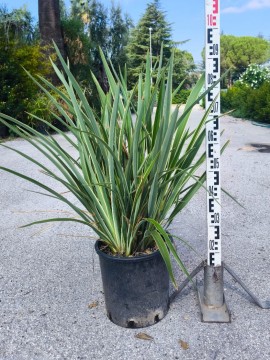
[(248, 103), (181, 97), (17, 89)]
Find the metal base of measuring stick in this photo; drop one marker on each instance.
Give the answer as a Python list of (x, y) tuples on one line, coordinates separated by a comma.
[(211, 296)]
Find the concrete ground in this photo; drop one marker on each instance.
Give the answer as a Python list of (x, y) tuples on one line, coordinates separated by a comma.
[(51, 301)]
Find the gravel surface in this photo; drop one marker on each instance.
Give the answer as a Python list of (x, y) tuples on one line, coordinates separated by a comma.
[(51, 301)]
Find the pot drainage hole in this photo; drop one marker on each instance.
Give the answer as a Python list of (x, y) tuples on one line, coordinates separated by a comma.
[(131, 324)]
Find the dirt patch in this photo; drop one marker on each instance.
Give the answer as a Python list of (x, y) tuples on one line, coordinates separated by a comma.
[(263, 148), (148, 251)]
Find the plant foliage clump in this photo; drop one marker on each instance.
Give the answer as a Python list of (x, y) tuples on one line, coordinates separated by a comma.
[(255, 75), (238, 52), (134, 164), (247, 102), (18, 49)]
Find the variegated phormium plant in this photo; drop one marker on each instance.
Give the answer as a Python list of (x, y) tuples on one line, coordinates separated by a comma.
[(136, 161)]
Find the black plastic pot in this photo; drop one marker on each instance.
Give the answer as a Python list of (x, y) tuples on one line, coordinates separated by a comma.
[(3, 131), (136, 289)]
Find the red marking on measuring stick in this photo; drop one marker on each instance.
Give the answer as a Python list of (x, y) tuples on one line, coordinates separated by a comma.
[(212, 74), (215, 6)]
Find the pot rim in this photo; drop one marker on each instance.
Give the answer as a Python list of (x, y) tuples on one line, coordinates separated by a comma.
[(125, 258)]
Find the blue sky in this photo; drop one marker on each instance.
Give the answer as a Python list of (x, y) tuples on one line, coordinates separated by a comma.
[(238, 17)]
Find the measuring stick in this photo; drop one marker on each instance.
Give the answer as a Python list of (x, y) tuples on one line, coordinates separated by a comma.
[(212, 74)]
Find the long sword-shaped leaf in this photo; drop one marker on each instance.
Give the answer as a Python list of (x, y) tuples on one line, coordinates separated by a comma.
[(165, 245)]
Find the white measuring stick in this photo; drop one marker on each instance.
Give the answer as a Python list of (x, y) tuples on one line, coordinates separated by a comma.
[(212, 74)]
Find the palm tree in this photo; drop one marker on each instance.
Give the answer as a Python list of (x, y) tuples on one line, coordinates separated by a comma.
[(50, 25)]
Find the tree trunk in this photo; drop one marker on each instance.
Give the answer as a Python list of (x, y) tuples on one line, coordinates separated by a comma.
[(50, 27)]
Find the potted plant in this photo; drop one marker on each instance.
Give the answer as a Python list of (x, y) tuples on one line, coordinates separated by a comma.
[(133, 172)]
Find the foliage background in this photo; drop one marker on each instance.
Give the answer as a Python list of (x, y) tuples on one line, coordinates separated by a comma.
[(89, 26), (249, 97)]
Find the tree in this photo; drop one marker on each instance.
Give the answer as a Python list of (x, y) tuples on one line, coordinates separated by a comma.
[(50, 24), (153, 23), (239, 52), (77, 47), (18, 50), (16, 25), (106, 32), (118, 37), (80, 9), (183, 69), (98, 32)]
